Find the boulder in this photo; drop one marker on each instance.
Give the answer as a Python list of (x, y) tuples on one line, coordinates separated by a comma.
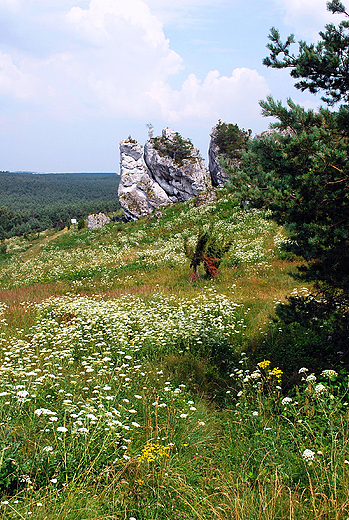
[(181, 180), (97, 221), (138, 193), (218, 176)]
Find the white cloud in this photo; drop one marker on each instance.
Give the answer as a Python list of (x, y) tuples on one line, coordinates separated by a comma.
[(307, 17), (232, 98), (15, 81), (119, 64)]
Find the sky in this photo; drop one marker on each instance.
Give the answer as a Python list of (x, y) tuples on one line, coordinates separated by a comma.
[(77, 76)]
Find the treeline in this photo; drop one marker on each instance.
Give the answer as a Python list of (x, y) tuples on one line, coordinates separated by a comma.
[(33, 203)]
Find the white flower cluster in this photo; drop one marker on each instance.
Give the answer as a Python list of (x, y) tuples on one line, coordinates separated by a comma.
[(329, 373), (308, 455), (320, 389)]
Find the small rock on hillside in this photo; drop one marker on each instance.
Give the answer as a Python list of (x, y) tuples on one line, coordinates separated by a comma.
[(97, 221)]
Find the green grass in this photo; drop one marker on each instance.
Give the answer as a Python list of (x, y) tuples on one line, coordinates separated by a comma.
[(125, 392)]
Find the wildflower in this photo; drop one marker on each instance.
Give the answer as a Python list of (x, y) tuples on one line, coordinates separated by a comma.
[(22, 393), (303, 370), (138, 396), (201, 423), (47, 449), (62, 429), (54, 480), (320, 389), (311, 379), (25, 478), (91, 417), (308, 455), (255, 413), (264, 364), (192, 408), (39, 504), (329, 373), (183, 415), (277, 373), (136, 425), (286, 400)]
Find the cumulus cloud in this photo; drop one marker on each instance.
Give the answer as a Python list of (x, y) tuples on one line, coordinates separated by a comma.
[(307, 17), (120, 64), (15, 81), (233, 98)]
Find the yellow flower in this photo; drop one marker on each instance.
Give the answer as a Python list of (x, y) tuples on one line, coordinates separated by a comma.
[(152, 452), (264, 364), (277, 372)]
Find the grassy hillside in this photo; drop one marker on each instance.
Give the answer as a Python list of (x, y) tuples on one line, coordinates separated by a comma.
[(129, 393)]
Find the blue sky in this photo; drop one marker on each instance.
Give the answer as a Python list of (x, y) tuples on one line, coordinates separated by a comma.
[(77, 76)]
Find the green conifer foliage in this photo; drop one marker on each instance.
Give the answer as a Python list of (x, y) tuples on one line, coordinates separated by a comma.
[(321, 67)]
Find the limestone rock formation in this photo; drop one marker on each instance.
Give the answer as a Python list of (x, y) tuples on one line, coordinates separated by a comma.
[(97, 221), (181, 180), (138, 194), (218, 176)]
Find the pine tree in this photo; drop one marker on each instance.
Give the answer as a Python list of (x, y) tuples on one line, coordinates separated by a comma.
[(300, 170), (322, 67)]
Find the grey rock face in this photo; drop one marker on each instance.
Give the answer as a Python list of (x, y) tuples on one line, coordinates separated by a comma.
[(218, 176), (138, 194), (97, 221), (180, 182)]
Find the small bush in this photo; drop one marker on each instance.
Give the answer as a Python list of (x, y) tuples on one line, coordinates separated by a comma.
[(231, 140), (177, 148), (81, 223)]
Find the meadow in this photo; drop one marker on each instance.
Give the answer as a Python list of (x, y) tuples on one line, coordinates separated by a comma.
[(128, 392)]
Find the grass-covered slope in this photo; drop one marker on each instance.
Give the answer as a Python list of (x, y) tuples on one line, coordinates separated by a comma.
[(125, 390)]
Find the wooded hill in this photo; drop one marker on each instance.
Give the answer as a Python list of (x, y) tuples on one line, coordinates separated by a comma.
[(37, 202)]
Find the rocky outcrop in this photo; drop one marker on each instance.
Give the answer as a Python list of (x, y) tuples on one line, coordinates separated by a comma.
[(97, 221), (180, 180), (218, 175), (138, 194)]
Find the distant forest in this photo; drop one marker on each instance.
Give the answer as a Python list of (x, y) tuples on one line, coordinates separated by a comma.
[(33, 203)]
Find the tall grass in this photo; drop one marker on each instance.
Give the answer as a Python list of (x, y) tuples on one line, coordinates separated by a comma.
[(125, 392)]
